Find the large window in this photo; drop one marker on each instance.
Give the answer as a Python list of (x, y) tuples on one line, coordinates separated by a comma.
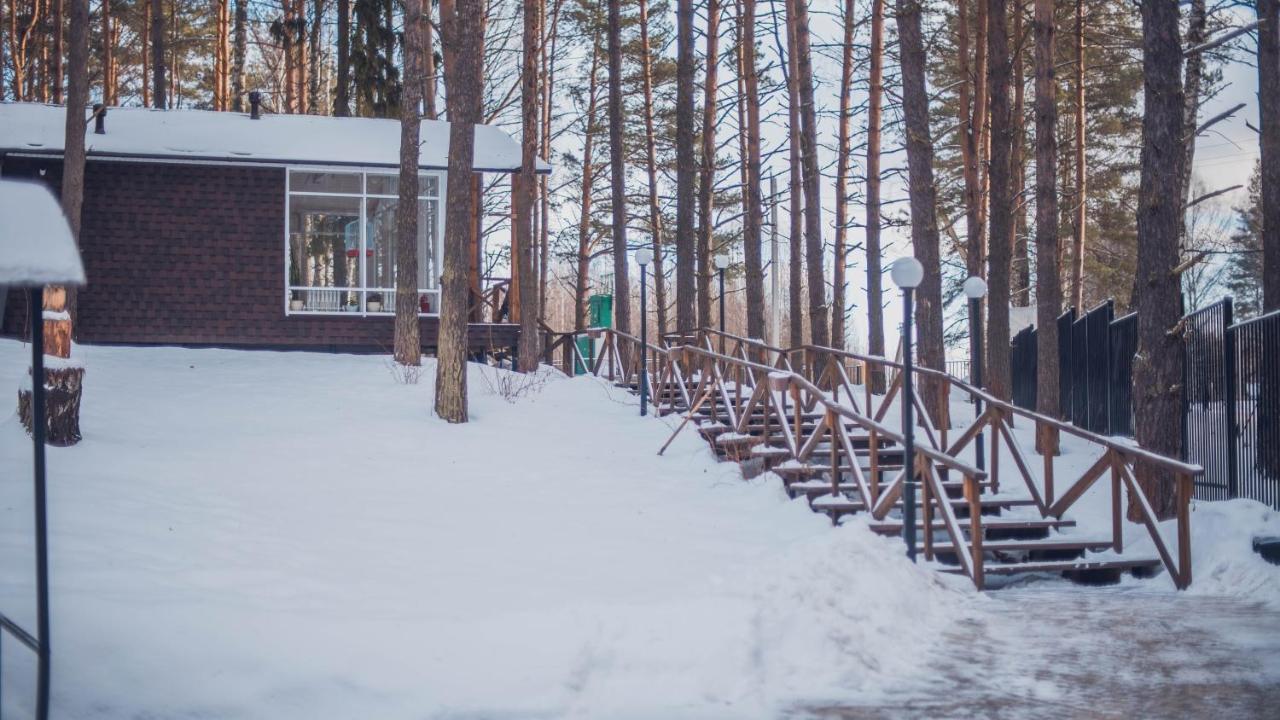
[(341, 239)]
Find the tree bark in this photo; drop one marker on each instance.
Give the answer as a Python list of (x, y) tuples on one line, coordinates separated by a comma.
[(923, 201), (239, 47), (651, 169), (56, 73), (342, 83), (1193, 86), (408, 344), (686, 316), (461, 26), (1269, 116), (973, 133), (707, 173), (819, 322), (109, 88), (429, 69), (618, 174), (1048, 286), (1001, 201), (838, 304), (1021, 265), (875, 277), (795, 193), (526, 182), (159, 85), (588, 177), (753, 218), (1157, 367), (1078, 226)]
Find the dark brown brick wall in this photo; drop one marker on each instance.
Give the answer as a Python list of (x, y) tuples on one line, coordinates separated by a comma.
[(194, 255)]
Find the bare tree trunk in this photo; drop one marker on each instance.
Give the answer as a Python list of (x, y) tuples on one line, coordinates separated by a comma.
[(1021, 283), (875, 100), (973, 133), (1001, 201), (527, 186), (3, 37), (1078, 226), (56, 74), (617, 163), (686, 316), (588, 177), (838, 304), (146, 52), (819, 322), (109, 88), (342, 84), (1048, 286), (159, 85), (313, 59), (408, 344), (239, 48), (651, 168), (461, 26), (923, 201), (707, 174), (548, 61), (795, 193), (1157, 376), (1269, 115), (428, 63), (753, 212)]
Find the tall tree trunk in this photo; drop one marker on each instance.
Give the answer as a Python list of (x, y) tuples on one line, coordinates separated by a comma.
[(548, 62), (651, 169), (342, 84), (618, 174), (428, 63), (838, 305), (819, 322), (240, 40), (146, 52), (313, 59), (795, 194), (875, 278), (461, 27), (291, 99), (1048, 285), (1269, 116), (1078, 224), (973, 132), (753, 212), (109, 89), (3, 54), (707, 174), (1021, 283), (159, 84), (588, 177), (686, 170), (408, 344), (1157, 376), (527, 188), (1001, 200), (56, 74), (1193, 85), (923, 201)]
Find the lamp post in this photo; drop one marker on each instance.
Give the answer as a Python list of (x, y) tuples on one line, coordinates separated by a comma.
[(644, 256), (975, 288), (907, 273)]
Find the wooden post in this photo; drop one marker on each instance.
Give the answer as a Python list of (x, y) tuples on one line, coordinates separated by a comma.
[(974, 494), (874, 453), (996, 416), (1117, 514), (1184, 530), (835, 453), (1047, 437), (926, 499)]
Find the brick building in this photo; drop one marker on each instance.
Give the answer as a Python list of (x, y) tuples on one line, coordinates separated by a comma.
[(204, 228)]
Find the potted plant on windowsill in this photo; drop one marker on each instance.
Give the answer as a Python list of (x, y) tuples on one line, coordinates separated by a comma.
[(373, 303), (296, 303)]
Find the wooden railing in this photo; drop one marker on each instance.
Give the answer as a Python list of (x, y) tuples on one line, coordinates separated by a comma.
[(691, 372), (492, 301)]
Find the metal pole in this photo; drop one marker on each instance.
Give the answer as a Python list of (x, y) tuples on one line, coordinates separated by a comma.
[(644, 342), (975, 372), (908, 432), (38, 421)]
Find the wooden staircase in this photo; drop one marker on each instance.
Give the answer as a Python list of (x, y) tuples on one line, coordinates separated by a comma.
[(828, 445)]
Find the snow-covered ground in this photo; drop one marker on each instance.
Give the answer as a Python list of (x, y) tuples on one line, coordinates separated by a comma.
[(292, 535)]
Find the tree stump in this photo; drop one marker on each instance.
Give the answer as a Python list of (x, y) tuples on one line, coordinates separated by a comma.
[(62, 406)]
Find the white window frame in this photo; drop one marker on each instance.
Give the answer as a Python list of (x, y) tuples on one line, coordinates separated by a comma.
[(361, 289)]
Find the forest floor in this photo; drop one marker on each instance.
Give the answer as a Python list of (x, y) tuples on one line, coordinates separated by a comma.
[(294, 535)]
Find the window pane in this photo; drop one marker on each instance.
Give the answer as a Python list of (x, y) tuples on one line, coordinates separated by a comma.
[(381, 239), (428, 185), (324, 182), (324, 248)]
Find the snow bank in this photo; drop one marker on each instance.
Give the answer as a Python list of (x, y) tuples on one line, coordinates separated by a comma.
[(36, 247), (1222, 558)]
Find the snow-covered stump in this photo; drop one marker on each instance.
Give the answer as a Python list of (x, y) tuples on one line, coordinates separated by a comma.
[(63, 376)]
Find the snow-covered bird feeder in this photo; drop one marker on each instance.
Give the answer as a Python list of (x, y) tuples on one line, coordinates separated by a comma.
[(37, 250)]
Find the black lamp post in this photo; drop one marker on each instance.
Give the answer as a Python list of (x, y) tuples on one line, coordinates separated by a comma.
[(907, 274), (975, 288), (644, 256)]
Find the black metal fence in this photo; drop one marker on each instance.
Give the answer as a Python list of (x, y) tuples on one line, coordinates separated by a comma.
[(1231, 398)]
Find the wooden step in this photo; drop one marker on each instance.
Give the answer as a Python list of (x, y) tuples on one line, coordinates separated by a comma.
[(1049, 549), (843, 505), (1084, 571), (996, 528)]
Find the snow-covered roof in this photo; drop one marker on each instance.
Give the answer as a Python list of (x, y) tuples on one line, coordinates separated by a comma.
[(235, 137), (36, 247)]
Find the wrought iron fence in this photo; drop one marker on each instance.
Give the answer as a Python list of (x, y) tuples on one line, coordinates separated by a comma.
[(1231, 398)]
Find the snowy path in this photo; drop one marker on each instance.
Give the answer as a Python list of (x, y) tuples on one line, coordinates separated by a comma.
[(292, 535), (1109, 653)]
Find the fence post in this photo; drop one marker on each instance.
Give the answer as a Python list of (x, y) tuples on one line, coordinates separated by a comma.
[(1229, 371)]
